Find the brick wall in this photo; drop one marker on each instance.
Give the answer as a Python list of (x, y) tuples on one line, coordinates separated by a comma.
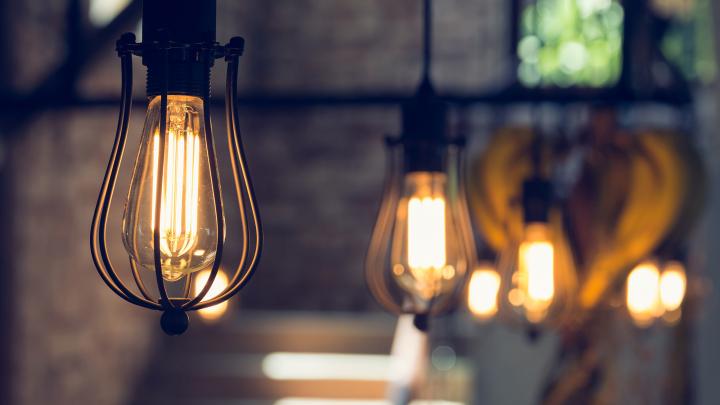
[(318, 173)]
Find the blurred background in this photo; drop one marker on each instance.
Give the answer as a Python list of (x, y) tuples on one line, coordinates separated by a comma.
[(321, 83)]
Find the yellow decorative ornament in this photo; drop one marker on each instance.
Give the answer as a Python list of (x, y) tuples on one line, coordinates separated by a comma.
[(638, 190)]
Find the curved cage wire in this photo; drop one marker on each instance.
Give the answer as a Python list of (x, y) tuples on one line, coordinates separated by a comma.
[(382, 257), (142, 295)]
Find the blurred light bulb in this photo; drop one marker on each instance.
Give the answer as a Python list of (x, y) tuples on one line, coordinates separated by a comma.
[(673, 284), (420, 242), (219, 285), (188, 219), (643, 293), (483, 291), (534, 280)]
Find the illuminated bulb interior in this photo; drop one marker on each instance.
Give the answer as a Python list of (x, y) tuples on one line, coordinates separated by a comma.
[(219, 285), (535, 279), (420, 247), (178, 207), (426, 233), (482, 292), (643, 293), (188, 222), (673, 284)]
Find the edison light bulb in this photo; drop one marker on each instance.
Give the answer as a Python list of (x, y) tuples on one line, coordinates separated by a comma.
[(643, 293), (219, 285), (483, 291), (421, 245), (188, 223)]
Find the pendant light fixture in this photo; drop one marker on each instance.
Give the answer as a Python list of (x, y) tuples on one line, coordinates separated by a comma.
[(421, 246), (173, 223), (538, 284)]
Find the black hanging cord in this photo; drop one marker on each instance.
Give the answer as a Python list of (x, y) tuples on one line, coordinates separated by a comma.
[(427, 42)]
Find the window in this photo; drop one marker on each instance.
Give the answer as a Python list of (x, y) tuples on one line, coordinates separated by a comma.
[(570, 43)]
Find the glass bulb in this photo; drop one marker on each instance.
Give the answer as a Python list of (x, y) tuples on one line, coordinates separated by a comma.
[(483, 291), (539, 280), (643, 293), (188, 219)]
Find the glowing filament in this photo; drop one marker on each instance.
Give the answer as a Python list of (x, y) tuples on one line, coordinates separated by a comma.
[(535, 277), (424, 253), (426, 233), (179, 194)]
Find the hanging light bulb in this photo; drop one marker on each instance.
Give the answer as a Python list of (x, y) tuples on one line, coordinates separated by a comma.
[(643, 293), (483, 291), (538, 278), (421, 246), (173, 221)]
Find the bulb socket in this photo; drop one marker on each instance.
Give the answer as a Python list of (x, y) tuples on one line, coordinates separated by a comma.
[(537, 195), (179, 33), (184, 77), (424, 128)]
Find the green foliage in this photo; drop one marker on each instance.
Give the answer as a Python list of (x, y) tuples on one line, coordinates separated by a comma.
[(571, 43), (689, 43)]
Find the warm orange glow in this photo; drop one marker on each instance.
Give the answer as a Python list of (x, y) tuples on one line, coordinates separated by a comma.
[(536, 273), (219, 285), (643, 294), (178, 207), (673, 284), (483, 292), (426, 233), (420, 246), (426, 256)]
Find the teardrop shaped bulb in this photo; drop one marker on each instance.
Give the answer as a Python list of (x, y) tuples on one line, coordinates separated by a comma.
[(188, 218)]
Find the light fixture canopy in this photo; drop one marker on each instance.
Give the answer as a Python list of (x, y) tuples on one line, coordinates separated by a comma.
[(168, 226)]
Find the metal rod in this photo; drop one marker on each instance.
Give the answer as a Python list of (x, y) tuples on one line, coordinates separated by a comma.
[(217, 199), (427, 41), (240, 171), (231, 125), (138, 280), (164, 300), (98, 246)]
